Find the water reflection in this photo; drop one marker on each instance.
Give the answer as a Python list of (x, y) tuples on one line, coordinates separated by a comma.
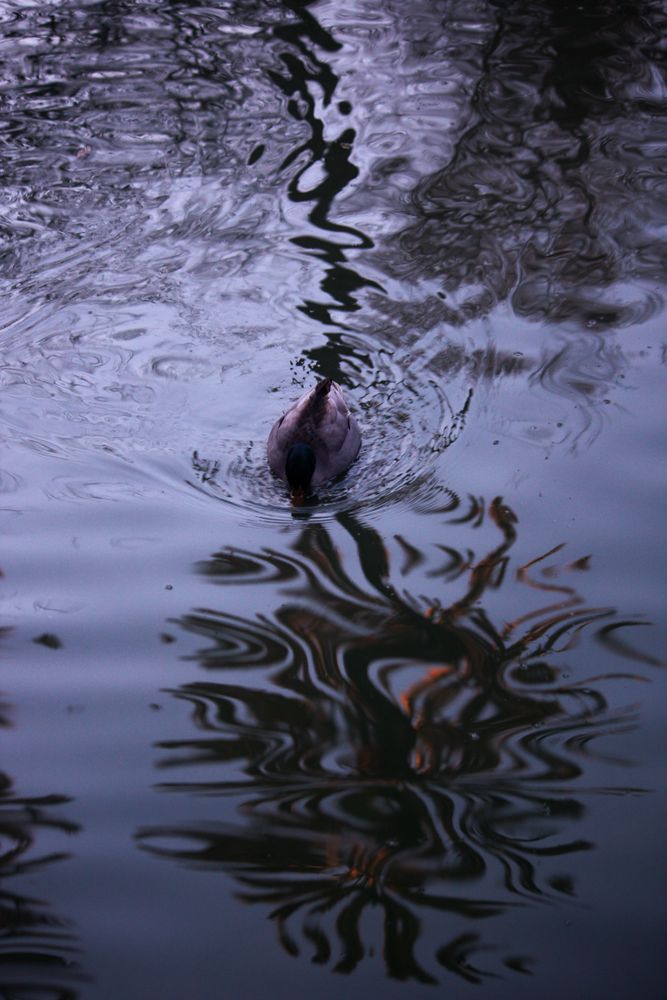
[(553, 180), (328, 168), (209, 144), (521, 205), (185, 186), (392, 755), (38, 949)]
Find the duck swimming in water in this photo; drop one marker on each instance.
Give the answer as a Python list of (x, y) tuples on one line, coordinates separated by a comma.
[(315, 440)]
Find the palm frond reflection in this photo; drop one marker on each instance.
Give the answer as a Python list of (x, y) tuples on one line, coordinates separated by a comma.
[(392, 753)]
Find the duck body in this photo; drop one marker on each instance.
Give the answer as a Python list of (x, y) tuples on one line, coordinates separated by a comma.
[(316, 439)]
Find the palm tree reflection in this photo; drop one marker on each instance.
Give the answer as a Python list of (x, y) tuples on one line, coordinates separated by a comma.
[(391, 755)]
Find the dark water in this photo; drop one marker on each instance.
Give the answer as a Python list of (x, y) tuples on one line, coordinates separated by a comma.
[(413, 732)]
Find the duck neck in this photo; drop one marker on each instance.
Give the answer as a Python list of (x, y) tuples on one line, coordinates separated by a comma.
[(300, 466)]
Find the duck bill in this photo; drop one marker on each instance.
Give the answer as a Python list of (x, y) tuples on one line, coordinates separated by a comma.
[(298, 497)]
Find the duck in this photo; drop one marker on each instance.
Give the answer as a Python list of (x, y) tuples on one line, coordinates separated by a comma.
[(316, 439)]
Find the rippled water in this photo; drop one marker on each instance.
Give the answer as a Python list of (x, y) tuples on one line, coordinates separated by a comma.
[(411, 731)]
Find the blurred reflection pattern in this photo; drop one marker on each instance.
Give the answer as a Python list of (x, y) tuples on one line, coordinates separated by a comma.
[(393, 757), (38, 950), (550, 187)]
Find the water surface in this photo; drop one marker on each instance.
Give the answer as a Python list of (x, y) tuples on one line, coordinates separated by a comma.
[(410, 732)]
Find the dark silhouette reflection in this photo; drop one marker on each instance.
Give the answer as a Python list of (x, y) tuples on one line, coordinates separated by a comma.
[(303, 67), (392, 756), (38, 950)]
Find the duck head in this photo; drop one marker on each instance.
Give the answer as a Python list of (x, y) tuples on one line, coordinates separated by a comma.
[(300, 466)]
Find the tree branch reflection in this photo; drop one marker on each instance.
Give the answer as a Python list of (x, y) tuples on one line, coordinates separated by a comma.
[(38, 950), (393, 755)]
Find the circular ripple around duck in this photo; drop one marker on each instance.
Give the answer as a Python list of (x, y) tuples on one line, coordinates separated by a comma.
[(406, 422)]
